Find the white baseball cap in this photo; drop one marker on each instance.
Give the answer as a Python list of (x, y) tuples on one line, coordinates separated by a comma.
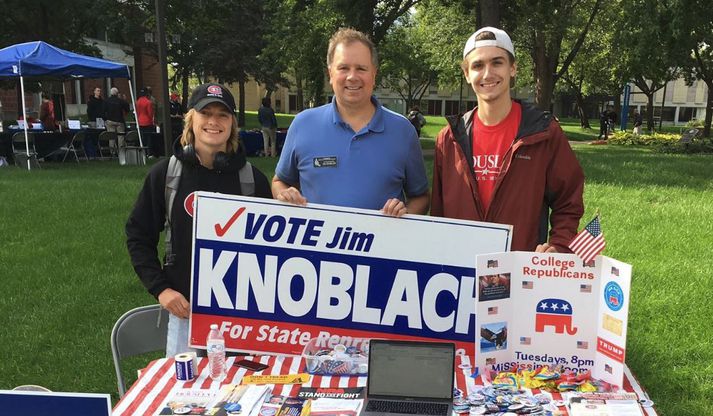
[(502, 40)]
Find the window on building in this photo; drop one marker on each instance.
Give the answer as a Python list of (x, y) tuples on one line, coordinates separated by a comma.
[(685, 114), (668, 113), (292, 107), (434, 108), (452, 107)]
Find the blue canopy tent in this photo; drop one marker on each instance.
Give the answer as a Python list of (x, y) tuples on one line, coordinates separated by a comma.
[(42, 59)]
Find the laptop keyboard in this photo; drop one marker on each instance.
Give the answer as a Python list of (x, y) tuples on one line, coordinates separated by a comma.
[(412, 408)]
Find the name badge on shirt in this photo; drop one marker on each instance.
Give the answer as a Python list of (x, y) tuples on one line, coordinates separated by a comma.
[(325, 162)]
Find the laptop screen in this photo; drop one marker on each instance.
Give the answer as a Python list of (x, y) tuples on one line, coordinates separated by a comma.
[(55, 404), (411, 369)]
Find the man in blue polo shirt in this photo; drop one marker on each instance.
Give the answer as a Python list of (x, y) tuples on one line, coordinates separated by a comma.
[(353, 152)]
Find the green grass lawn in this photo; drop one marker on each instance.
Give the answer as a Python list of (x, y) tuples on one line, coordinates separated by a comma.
[(283, 120), (67, 275), (434, 124)]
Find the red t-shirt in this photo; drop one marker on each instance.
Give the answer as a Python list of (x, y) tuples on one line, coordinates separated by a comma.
[(144, 109), (490, 143)]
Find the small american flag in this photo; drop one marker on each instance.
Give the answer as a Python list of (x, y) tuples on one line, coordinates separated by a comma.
[(490, 361), (527, 285), (337, 367), (589, 242), (585, 288), (608, 368), (493, 310), (492, 263), (525, 340), (615, 271), (582, 345)]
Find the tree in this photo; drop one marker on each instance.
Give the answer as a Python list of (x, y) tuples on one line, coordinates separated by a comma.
[(126, 22), (646, 23), (694, 20), (540, 28), (594, 71), (404, 65), (271, 62), (61, 23), (444, 28), (233, 58), (373, 17), (184, 26), (488, 13)]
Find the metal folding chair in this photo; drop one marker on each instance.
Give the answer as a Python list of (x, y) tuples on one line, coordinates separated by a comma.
[(135, 153), (19, 150), (138, 331), (107, 142), (74, 145)]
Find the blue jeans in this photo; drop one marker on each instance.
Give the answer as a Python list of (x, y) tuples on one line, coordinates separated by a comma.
[(177, 337)]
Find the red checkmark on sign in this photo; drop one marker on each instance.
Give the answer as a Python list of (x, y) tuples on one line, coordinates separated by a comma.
[(221, 230)]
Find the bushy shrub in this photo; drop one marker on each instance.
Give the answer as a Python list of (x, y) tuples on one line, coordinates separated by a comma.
[(629, 138), (694, 124), (697, 145), (663, 142)]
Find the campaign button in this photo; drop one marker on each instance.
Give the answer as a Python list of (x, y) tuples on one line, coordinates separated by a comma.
[(478, 410)]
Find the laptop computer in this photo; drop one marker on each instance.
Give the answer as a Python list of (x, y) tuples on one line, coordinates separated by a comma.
[(53, 403), (409, 378)]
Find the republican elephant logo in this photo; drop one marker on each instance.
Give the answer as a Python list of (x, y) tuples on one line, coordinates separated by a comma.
[(556, 313)]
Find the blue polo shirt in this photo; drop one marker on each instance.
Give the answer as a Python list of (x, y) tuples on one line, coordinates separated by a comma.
[(334, 165)]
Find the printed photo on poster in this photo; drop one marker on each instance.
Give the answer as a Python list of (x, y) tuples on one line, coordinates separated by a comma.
[(494, 287), (493, 336)]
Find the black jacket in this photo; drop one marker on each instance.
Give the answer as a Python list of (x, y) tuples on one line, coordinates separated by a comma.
[(114, 109), (95, 108), (147, 220)]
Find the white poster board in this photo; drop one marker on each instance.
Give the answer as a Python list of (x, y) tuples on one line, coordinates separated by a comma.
[(274, 275), (538, 309)]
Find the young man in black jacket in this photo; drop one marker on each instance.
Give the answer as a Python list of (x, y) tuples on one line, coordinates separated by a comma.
[(211, 159)]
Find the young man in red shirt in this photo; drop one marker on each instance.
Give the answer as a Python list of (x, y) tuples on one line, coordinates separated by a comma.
[(506, 161)]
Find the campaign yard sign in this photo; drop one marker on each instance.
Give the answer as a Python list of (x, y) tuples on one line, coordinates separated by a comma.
[(538, 309), (274, 275)]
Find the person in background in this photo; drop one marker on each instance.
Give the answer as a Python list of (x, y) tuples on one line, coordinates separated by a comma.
[(115, 110), (638, 122), (176, 115), (211, 158), (95, 105), (47, 117), (506, 161), (147, 119), (417, 119), (613, 119), (95, 110), (268, 121), (352, 152)]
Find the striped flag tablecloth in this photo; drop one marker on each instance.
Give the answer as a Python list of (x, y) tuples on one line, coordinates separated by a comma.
[(158, 380)]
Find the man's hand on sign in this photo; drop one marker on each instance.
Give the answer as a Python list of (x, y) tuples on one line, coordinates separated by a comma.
[(394, 207), (174, 302), (292, 195), (545, 248), (286, 193)]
